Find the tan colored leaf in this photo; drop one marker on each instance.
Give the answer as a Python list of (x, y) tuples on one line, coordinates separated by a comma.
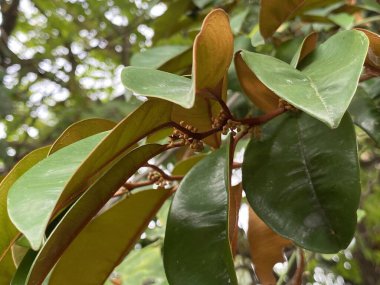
[(213, 50), (235, 202), (307, 46), (373, 56), (259, 94), (274, 12), (266, 248)]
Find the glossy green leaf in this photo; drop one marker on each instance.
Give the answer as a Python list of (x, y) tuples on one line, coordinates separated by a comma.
[(81, 130), (143, 266), (54, 187), (157, 57), (302, 179), (87, 206), (44, 182), (159, 84), (366, 114), (9, 233), (327, 81), (199, 210), (106, 240)]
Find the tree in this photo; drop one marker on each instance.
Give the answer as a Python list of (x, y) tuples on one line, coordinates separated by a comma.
[(286, 93)]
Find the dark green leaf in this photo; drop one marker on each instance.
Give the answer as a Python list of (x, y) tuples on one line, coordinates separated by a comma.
[(302, 180), (197, 248), (366, 114)]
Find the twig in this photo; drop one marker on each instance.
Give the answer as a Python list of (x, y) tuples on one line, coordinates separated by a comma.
[(163, 174)]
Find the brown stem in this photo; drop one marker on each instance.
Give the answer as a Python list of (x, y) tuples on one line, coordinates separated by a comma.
[(163, 174), (262, 119), (220, 101)]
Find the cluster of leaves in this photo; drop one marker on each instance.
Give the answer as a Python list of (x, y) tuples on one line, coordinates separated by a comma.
[(72, 211)]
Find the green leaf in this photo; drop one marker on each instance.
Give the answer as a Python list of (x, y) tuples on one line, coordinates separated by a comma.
[(197, 248), (302, 180), (159, 84), (81, 130), (7, 268), (143, 266), (105, 241), (86, 208), (23, 269), (184, 166), (327, 81), (30, 209), (157, 57), (366, 114), (60, 179), (238, 20), (9, 233)]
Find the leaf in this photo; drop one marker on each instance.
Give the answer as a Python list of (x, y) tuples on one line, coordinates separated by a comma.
[(105, 241), (159, 84), (266, 248), (327, 81), (86, 208), (81, 130), (274, 12), (9, 232), (260, 95), (373, 55), (143, 266), (158, 57), (235, 195), (184, 166), (307, 46), (23, 269), (199, 210), (55, 187), (7, 268), (238, 20), (30, 209), (312, 198), (366, 114)]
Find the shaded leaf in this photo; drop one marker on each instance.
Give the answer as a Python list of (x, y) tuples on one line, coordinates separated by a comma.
[(235, 195), (366, 114), (266, 248), (238, 20), (54, 187), (9, 233), (86, 207), (260, 95), (7, 268), (298, 199), (199, 210), (23, 269), (327, 81), (81, 130), (105, 241), (184, 166)]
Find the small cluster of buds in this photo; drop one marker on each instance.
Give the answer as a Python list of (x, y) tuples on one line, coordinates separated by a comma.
[(186, 139), (157, 178), (283, 104), (234, 127), (220, 120)]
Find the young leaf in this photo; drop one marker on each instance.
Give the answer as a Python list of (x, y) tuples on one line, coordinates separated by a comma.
[(312, 198), (87, 206), (7, 268), (9, 233), (81, 130), (327, 81), (266, 248), (107, 239), (54, 187), (196, 247), (366, 114)]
